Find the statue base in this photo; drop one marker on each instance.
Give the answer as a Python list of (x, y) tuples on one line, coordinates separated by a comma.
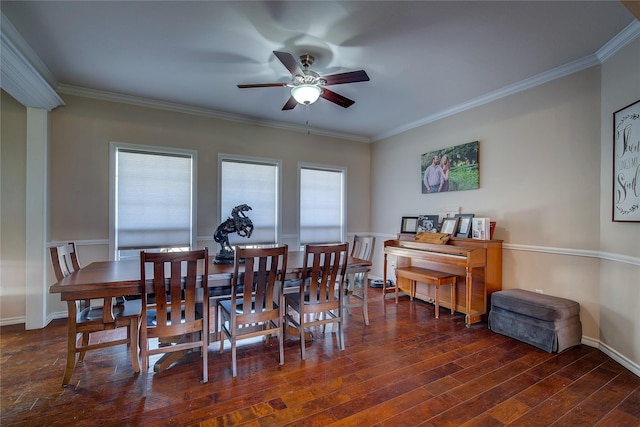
[(224, 258)]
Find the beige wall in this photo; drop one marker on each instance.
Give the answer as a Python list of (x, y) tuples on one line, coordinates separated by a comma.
[(541, 153), (79, 161), (539, 162), (13, 153), (539, 180), (619, 282), (79, 165)]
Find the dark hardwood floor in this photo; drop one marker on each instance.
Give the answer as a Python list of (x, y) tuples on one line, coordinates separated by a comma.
[(405, 369)]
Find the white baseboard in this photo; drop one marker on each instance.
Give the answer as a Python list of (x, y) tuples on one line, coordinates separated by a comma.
[(624, 361), (12, 321)]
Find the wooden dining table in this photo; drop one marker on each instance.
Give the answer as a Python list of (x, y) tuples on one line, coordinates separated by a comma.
[(117, 278)]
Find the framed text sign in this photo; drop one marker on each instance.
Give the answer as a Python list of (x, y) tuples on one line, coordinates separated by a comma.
[(626, 163)]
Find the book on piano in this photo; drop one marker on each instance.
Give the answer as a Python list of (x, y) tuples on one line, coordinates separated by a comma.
[(481, 228)]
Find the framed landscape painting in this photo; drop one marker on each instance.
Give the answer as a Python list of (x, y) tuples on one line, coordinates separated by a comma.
[(450, 169)]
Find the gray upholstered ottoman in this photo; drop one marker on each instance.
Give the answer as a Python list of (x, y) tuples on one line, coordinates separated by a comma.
[(547, 322)]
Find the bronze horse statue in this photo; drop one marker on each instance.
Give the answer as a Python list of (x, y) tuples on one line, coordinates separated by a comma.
[(239, 223)]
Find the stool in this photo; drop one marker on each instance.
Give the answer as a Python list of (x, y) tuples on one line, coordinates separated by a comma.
[(547, 322), (436, 278)]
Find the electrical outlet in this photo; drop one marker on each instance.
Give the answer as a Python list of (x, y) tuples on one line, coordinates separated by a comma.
[(539, 291)]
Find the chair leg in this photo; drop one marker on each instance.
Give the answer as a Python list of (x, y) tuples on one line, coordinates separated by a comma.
[(144, 347), (133, 344), (220, 326), (205, 358), (365, 305), (340, 336), (71, 356), (84, 343), (281, 341), (216, 329), (233, 356), (301, 333)]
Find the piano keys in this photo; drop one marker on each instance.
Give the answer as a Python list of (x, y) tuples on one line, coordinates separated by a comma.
[(478, 263)]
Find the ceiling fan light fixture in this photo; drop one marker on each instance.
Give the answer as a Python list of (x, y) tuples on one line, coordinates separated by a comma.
[(306, 93)]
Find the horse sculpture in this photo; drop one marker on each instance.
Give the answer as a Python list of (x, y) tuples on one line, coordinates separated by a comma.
[(239, 223)]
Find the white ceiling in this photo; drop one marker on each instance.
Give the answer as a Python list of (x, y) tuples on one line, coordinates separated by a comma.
[(425, 59)]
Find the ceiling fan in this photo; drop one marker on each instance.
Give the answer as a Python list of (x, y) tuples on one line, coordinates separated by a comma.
[(307, 86)]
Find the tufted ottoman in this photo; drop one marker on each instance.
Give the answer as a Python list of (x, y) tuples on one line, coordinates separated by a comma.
[(547, 322)]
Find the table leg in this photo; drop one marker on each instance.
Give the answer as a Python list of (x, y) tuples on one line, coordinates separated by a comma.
[(169, 359)]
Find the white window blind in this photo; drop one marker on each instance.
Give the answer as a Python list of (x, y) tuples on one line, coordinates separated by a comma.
[(253, 182), (153, 195), (321, 205)]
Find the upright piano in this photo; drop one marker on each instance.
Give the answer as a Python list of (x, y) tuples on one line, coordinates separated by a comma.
[(478, 263)]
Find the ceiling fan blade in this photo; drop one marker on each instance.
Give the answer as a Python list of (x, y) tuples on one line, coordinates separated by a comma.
[(350, 77), (289, 62), (291, 103), (262, 85), (336, 99)]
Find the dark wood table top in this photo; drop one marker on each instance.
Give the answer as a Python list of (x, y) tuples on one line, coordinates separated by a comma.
[(115, 278)]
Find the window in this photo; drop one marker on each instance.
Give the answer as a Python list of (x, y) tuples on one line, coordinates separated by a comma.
[(153, 199), (254, 182), (322, 204)]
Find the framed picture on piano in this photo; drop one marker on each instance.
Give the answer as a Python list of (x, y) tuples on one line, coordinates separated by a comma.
[(464, 225), (428, 223), (409, 224), (449, 225)]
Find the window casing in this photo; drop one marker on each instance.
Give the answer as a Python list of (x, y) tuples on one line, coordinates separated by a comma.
[(322, 204), (152, 203), (255, 182)]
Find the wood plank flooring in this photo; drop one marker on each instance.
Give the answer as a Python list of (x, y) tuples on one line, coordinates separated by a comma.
[(405, 369)]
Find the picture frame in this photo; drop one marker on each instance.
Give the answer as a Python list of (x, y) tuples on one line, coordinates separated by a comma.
[(626, 158), (449, 225), (428, 223), (464, 225), (409, 224), (450, 169)]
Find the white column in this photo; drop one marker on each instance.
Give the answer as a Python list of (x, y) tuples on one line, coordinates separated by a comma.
[(36, 221)]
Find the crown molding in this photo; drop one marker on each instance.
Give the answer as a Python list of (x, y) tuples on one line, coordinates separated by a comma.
[(630, 33), (626, 36), (22, 71), (198, 111), (547, 76)]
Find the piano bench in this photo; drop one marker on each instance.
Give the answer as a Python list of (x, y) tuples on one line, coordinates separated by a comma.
[(544, 321), (433, 277)]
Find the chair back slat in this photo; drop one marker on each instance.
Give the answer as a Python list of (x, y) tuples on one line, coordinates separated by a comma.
[(64, 260), (177, 279), (325, 265), (363, 247), (258, 275), (85, 320), (319, 300), (179, 297), (256, 307)]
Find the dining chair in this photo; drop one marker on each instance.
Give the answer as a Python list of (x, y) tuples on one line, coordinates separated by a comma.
[(256, 307), (175, 294), (85, 319), (318, 302), (356, 284)]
